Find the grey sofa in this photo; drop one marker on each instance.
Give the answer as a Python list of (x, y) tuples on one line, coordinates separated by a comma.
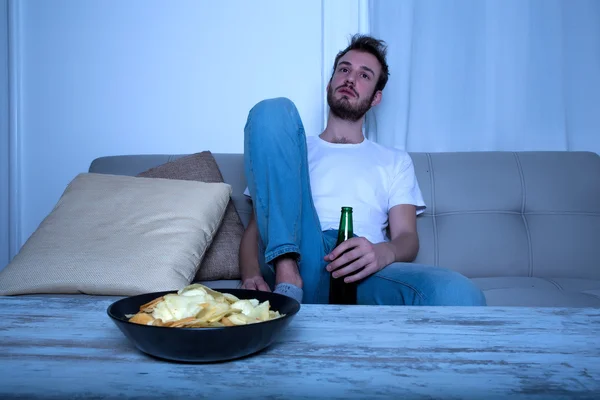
[(524, 226)]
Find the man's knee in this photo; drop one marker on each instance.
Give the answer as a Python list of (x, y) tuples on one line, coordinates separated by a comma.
[(454, 289), (272, 107), (273, 120)]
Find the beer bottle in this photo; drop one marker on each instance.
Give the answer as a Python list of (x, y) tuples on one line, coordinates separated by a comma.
[(339, 291)]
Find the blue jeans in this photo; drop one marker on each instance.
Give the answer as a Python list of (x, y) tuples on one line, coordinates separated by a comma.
[(277, 174)]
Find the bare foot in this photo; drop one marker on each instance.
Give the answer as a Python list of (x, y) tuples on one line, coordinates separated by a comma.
[(286, 271)]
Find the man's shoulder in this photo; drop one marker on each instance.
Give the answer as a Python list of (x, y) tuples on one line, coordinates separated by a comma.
[(398, 155)]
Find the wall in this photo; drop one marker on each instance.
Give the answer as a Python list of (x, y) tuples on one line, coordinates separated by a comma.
[(4, 136), (109, 77)]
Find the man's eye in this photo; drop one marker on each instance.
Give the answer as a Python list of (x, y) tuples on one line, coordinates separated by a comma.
[(343, 69), (365, 76)]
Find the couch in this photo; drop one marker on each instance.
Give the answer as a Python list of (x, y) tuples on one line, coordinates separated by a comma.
[(524, 226)]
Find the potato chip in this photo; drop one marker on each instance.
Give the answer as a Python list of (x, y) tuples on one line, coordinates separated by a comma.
[(148, 307), (227, 322), (230, 298), (238, 319), (142, 318), (198, 306), (180, 322)]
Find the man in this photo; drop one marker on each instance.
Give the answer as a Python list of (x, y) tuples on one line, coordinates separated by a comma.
[(299, 183)]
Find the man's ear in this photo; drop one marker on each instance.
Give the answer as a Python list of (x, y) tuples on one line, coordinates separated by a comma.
[(377, 98)]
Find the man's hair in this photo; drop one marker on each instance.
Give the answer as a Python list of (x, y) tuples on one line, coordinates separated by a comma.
[(372, 46)]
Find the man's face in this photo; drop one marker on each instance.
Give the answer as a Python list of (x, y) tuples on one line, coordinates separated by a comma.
[(351, 91)]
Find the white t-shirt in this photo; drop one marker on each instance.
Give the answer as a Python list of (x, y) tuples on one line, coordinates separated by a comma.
[(366, 176)]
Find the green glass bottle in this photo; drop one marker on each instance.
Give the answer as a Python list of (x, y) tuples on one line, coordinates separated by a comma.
[(339, 291)]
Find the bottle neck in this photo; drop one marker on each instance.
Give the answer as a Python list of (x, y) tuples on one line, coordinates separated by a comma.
[(345, 230)]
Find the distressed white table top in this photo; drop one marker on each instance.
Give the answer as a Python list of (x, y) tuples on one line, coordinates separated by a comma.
[(68, 347)]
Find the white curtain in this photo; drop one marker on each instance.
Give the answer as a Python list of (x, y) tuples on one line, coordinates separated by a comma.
[(471, 75)]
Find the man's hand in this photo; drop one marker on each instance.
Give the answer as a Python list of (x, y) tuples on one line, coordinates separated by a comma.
[(357, 258), (360, 258), (256, 283)]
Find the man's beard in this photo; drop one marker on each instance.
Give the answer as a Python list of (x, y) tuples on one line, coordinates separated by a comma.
[(342, 108)]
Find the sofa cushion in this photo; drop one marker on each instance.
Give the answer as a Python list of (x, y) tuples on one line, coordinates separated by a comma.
[(540, 292), (119, 235), (221, 260)]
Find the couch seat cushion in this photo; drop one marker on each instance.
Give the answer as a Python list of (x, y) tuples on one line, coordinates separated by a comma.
[(540, 292)]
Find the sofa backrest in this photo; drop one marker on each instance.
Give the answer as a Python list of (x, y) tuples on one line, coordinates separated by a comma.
[(511, 213), (488, 214)]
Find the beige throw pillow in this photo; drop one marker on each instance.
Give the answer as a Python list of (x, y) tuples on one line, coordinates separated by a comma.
[(222, 259), (119, 235)]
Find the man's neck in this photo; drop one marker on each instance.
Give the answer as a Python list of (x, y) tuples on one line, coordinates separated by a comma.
[(342, 131)]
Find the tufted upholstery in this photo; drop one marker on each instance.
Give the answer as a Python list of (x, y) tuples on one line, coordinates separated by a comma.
[(525, 226)]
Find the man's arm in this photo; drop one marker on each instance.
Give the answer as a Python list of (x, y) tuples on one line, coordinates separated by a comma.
[(404, 241), (361, 258), (248, 259)]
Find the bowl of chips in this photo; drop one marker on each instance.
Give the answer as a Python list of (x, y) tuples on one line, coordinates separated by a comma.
[(199, 324)]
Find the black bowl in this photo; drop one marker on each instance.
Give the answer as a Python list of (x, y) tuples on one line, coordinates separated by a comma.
[(203, 344)]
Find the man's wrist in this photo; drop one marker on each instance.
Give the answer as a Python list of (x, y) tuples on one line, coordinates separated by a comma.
[(404, 247), (250, 275), (392, 255), (389, 253)]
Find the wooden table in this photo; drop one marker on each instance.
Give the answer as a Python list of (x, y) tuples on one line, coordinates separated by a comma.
[(68, 347)]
